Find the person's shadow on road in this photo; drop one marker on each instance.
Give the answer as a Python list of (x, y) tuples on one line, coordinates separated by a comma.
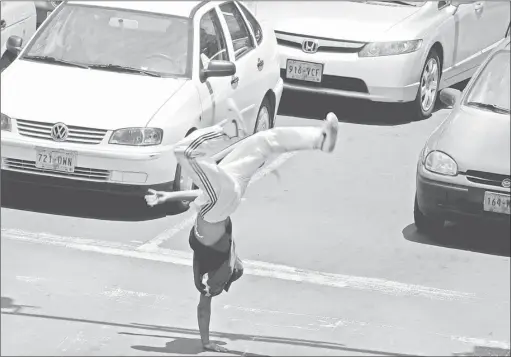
[(187, 346), (7, 303)]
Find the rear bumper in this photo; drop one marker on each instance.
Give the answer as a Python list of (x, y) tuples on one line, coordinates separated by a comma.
[(455, 198), (79, 185)]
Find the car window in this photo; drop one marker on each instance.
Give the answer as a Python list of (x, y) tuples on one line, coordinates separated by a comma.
[(256, 28), (491, 88), (212, 40), (241, 38), (99, 36)]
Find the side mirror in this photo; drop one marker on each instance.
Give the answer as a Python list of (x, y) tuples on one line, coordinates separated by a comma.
[(217, 68), (450, 96), (14, 44)]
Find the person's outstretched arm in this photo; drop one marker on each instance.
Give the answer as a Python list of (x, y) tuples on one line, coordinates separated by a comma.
[(159, 197), (203, 318)]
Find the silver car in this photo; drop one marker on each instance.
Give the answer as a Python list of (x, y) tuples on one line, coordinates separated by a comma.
[(464, 168)]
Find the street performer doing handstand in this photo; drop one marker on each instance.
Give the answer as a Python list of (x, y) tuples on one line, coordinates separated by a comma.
[(221, 188)]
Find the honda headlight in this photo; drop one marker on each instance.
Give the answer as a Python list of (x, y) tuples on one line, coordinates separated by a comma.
[(6, 123), (137, 136), (376, 49), (441, 163)]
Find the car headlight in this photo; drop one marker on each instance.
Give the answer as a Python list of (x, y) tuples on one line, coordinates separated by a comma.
[(6, 122), (441, 163), (137, 136), (376, 49), (424, 153)]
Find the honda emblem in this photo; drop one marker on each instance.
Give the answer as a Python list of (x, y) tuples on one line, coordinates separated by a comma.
[(310, 46)]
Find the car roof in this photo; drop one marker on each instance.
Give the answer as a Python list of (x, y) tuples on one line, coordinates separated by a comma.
[(177, 8)]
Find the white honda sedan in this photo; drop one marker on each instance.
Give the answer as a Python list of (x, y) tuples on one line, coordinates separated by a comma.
[(388, 51), (102, 92)]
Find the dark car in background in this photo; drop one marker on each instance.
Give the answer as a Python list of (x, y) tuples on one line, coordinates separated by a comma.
[(44, 8), (464, 168)]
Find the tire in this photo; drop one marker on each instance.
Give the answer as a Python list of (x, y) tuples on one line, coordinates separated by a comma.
[(6, 60), (422, 107), (178, 186), (264, 116), (426, 224)]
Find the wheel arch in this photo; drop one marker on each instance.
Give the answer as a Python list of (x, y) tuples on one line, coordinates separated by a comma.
[(437, 46), (273, 102)]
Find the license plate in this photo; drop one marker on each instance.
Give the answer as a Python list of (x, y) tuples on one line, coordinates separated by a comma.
[(55, 160), (497, 202), (304, 71)]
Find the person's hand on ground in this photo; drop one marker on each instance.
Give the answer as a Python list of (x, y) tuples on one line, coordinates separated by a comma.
[(215, 348)]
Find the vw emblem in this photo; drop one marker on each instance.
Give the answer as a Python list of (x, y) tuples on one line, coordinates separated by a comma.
[(310, 46), (506, 183), (59, 132)]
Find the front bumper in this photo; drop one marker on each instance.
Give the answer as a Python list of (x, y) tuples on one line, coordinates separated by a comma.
[(98, 167), (381, 79), (454, 198), (106, 187)]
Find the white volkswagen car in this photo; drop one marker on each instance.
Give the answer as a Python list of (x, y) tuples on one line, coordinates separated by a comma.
[(97, 98), (388, 51)]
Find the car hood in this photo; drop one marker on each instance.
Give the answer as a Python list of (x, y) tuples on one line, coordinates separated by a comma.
[(81, 97), (344, 20), (477, 140)]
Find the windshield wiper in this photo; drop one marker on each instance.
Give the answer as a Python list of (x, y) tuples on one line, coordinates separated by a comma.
[(491, 107), (391, 2), (118, 68), (49, 59)]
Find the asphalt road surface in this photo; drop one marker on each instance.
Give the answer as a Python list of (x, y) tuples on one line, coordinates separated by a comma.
[(334, 264)]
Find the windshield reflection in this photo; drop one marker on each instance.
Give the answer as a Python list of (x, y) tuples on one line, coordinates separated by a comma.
[(492, 86), (91, 35)]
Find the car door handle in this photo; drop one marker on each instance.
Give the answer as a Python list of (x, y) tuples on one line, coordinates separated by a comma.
[(3, 24), (234, 81), (478, 6), (260, 64)]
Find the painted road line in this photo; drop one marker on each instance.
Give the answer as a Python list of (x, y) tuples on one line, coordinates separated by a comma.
[(187, 223), (331, 322), (262, 269)]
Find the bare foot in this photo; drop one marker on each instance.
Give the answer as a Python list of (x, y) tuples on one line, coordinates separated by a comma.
[(215, 348)]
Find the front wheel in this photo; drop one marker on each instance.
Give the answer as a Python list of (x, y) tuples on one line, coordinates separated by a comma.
[(426, 224), (264, 116), (428, 87), (182, 182)]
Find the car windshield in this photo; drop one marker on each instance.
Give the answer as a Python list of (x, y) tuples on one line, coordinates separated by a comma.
[(491, 88), (114, 39)]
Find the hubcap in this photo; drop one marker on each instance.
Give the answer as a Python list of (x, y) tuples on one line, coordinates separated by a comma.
[(429, 84), (263, 120)]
